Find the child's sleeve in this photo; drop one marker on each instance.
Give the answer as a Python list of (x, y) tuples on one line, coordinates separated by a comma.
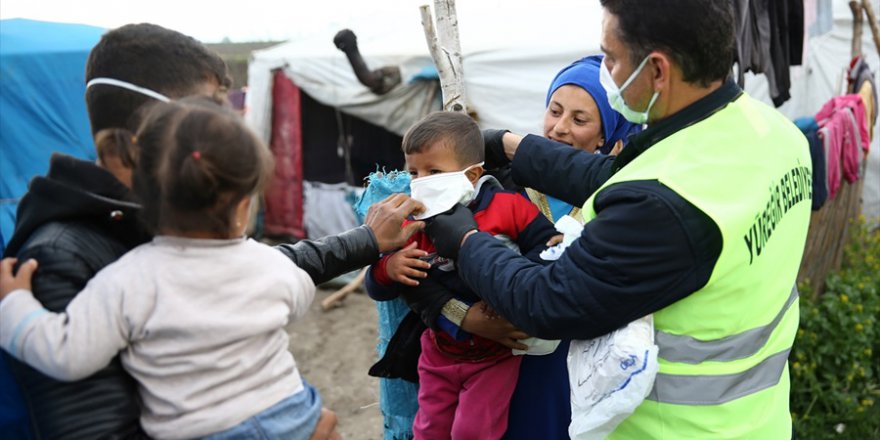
[(437, 306), (67, 346), (450, 318), (534, 230), (302, 292), (379, 285)]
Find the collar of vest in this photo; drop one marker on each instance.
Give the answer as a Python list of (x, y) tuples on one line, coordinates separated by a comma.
[(693, 113)]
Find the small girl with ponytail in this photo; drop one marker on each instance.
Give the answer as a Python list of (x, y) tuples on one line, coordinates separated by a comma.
[(199, 313)]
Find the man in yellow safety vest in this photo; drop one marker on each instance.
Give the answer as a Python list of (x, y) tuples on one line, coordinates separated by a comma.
[(701, 220)]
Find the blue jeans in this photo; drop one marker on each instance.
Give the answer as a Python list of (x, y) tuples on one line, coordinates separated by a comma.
[(293, 418)]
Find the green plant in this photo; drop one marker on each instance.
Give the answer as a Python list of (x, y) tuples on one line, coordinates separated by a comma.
[(835, 362)]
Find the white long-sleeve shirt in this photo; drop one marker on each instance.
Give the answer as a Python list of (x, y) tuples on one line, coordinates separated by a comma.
[(198, 323)]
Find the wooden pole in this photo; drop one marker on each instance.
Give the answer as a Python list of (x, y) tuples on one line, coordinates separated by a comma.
[(856, 8), (443, 43), (872, 23)]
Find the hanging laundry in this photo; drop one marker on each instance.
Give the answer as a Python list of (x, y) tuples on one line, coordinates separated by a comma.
[(769, 39), (810, 128), (843, 127), (860, 80)]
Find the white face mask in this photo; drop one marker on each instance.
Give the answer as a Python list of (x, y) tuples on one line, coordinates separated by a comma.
[(615, 94), (128, 86), (440, 192)]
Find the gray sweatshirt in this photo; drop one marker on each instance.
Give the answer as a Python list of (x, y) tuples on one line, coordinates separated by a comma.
[(199, 324)]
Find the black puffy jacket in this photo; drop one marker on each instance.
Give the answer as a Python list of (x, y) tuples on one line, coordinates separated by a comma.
[(75, 221)]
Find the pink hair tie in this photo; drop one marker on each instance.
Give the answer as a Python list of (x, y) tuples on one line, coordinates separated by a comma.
[(197, 155)]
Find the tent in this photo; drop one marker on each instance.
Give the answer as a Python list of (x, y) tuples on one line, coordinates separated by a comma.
[(509, 58), (511, 51), (42, 110)]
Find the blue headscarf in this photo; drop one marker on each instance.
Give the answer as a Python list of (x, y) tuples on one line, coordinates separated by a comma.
[(584, 73)]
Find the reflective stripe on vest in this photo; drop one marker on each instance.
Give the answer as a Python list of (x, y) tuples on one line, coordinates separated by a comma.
[(717, 389), (689, 350)]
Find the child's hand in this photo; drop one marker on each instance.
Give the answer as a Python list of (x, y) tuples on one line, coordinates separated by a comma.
[(21, 280), (554, 240), (404, 266)]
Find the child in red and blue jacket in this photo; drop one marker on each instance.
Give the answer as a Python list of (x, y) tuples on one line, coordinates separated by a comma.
[(466, 381)]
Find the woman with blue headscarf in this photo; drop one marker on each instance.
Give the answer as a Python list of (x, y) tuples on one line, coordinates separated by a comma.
[(578, 114)]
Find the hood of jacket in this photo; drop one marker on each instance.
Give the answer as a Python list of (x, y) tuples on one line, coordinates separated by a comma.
[(75, 190)]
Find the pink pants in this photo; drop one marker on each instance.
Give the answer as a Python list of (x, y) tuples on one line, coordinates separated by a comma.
[(463, 400)]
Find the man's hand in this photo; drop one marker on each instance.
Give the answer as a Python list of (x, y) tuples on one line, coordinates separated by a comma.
[(21, 280), (405, 267), (326, 428), (386, 217), (449, 229), (496, 329)]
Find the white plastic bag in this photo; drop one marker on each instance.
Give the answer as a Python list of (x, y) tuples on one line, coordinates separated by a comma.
[(610, 376)]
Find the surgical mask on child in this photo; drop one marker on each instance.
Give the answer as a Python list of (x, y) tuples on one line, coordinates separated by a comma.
[(615, 94), (440, 192)]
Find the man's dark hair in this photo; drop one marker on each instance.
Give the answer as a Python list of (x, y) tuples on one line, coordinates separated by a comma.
[(697, 34), (456, 130), (148, 56)]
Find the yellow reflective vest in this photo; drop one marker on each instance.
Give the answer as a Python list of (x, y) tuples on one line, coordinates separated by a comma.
[(724, 348)]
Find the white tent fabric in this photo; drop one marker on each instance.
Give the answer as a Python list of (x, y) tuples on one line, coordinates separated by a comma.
[(511, 49)]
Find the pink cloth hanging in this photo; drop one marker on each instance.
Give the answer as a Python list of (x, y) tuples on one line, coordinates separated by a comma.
[(846, 138)]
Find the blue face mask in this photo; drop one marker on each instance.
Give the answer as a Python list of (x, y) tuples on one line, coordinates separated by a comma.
[(615, 94)]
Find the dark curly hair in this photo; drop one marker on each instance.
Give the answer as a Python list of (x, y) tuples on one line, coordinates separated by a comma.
[(150, 56)]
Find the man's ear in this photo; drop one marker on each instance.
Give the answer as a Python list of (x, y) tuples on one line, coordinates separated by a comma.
[(662, 71)]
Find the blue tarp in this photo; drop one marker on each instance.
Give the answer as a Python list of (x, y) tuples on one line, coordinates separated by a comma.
[(42, 109)]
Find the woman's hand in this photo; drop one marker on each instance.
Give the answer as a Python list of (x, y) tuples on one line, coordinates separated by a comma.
[(615, 150), (554, 240), (405, 267), (496, 329), (21, 280)]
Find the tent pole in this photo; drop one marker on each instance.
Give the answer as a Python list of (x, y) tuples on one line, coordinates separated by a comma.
[(445, 49), (872, 23), (856, 8)]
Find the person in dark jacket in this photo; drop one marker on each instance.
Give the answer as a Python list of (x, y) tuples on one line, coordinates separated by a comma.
[(80, 217)]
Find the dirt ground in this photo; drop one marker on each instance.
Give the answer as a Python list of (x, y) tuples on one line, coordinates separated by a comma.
[(334, 350)]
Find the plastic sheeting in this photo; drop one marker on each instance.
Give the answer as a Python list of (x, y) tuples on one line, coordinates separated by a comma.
[(327, 209), (42, 110), (284, 197)]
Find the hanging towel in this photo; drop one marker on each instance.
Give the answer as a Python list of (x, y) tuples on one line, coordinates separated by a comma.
[(846, 139)]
